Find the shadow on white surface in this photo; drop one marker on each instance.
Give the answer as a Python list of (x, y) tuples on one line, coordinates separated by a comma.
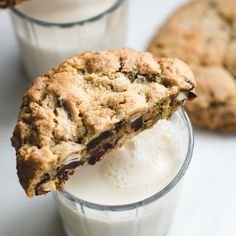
[(34, 217)]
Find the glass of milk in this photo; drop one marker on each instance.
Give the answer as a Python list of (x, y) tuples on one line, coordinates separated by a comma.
[(49, 31), (135, 189)]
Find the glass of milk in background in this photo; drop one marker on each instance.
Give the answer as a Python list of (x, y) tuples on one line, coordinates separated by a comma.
[(134, 191), (49, 31)]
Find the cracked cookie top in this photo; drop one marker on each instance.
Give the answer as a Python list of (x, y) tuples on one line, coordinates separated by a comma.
[(90, 92)]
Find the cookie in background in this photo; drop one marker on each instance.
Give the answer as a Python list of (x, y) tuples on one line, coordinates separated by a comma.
[(202, 34)]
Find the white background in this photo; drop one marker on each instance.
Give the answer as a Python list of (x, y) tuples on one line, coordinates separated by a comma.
[(208, 203)]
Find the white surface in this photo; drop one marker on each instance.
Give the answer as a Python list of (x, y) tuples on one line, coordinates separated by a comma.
[(207, 206)]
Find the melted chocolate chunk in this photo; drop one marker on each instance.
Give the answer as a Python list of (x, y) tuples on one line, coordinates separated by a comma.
[(94, 142), (119, 125), (107, 146), (137, 124), (96, 156), (166, 83), (79, 140), (191, 95), (68, 169)]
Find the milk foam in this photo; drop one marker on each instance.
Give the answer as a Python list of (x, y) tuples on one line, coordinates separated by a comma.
[(141, 168)]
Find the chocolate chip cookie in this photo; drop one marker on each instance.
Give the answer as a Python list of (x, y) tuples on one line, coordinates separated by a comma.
[(203, 34), (89, 105)]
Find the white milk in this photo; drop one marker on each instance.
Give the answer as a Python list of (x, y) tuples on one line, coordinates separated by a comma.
[(43, 46), (140, 169), (64, 11)]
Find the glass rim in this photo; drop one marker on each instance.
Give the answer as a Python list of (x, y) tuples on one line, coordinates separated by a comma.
[(154, 197), (69, 24)]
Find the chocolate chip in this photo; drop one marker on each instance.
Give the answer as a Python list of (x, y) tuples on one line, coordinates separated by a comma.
[(107, 146), (166, 83), (137, 124), (96, 156), (94, 142), (68, 169), (119, 125), (79, 140), (191, 95), (71, 165)]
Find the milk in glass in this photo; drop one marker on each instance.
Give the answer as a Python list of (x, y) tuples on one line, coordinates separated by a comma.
[(49, 32), (117, 196)]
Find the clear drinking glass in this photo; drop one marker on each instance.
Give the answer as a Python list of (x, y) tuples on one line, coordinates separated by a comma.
[(150, 217), (45, 44)]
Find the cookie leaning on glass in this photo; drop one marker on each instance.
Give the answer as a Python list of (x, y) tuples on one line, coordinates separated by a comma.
[(89, 105)]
